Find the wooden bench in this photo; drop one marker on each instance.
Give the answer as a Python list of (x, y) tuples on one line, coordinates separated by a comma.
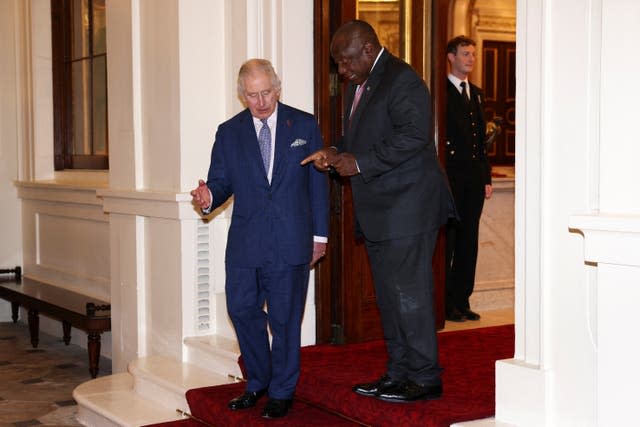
[(71, 308)]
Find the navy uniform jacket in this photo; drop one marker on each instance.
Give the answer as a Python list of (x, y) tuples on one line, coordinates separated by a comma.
[(465, 142)]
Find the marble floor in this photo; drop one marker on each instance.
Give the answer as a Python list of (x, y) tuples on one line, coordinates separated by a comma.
[(488, 318), (36, 385)]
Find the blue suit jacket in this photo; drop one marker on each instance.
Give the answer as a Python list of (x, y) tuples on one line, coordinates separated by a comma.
[(277, 220)]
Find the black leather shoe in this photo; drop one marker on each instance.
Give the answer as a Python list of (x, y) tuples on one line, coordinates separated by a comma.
[(372, 389), (470, 315), (247, 400), (454, 315), (276, 408), (409, 391)]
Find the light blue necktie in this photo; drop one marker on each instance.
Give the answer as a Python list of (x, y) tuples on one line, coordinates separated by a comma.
[(264, 139)]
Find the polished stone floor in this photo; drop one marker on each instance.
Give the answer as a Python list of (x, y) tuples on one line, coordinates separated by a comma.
[(488, 318), (36, 385)]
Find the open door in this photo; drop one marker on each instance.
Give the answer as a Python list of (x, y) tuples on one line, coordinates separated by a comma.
[(499, 83)]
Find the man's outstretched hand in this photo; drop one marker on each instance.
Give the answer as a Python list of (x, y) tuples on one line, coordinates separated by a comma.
[(322, 159), (201, 195), (327, 158)]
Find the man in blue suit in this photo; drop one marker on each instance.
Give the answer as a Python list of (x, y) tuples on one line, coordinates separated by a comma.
[(279, 228)]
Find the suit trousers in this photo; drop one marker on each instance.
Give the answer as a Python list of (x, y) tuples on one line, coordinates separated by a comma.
[(284, 289), (462, 236), (403, 278)]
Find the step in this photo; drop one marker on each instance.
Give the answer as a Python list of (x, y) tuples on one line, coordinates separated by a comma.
[(111, 401), (151, 392), (165, 381), (214, 353), (486, 422)]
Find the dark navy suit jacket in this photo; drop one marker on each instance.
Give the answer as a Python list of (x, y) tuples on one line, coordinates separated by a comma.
[(401, 189), (282, 216)]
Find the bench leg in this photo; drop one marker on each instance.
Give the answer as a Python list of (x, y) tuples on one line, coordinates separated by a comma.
[(15, 309), (34, 326), (66, 332), (93, 345)]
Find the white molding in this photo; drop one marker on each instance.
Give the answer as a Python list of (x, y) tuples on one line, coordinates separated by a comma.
[(610, 239), (516, 379), (58, 192), (521, 382), (155, 204), (255, 29), (529, 206)]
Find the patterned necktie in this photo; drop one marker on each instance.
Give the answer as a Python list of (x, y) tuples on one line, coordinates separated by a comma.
[(356, 98), (465, 95), (264, 139)]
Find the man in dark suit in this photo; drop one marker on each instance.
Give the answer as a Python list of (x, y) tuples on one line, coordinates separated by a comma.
[(279, 227), (469, 176), (400, 200)]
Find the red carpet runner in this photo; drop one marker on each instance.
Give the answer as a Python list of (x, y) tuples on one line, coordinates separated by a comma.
[(328, 372)]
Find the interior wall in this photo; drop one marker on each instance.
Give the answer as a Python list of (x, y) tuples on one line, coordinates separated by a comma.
[(482, 20), (10, 133), (174, 70), (38, 83)]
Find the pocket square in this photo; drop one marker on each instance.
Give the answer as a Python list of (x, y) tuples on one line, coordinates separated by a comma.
[(298, 142)]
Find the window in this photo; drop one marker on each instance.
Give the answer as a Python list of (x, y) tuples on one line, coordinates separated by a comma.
[(79, 50)]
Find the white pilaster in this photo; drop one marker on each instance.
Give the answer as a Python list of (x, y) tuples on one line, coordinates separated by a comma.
[(611, 242), (13, 123), (551, 379), (574, 365)]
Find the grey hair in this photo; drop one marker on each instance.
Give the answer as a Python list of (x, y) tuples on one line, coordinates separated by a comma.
[(253, 66)]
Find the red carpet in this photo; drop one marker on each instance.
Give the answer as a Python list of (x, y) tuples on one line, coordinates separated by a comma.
[(328, 372)]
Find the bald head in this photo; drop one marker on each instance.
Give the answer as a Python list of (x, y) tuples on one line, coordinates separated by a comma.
[(355, 47), (355, 31)]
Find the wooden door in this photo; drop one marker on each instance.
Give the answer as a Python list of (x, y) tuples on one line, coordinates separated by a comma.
[(345, 297), (499, 84)]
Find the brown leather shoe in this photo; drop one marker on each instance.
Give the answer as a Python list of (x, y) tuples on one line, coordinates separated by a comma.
[(276, 408), (247, 400), (372, 389)]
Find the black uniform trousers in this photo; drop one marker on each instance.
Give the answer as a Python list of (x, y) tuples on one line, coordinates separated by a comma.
[(468, 190)]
